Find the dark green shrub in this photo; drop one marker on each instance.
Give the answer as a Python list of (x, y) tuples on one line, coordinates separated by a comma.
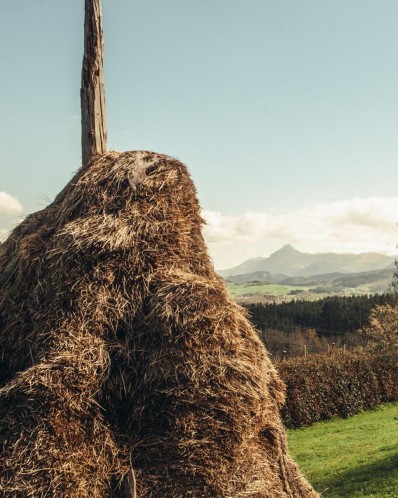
[(322, 387)]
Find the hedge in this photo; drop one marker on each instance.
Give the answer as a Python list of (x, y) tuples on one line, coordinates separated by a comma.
[(323, 387)]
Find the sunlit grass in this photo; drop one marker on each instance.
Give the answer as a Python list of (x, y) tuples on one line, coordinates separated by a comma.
[(355, 457)]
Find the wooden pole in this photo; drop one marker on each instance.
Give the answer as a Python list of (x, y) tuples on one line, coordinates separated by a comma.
[(92, 93)]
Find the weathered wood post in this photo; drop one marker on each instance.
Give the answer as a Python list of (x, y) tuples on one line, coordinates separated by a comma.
[(92, 93), (94, 132)]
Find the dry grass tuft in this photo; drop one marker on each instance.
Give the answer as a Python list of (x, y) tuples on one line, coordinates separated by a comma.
[(120, 347)]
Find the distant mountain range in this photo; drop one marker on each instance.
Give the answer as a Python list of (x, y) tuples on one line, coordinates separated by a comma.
[(290, 262), (325, 272)]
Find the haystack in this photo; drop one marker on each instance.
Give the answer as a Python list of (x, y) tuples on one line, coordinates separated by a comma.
[(120, 348)]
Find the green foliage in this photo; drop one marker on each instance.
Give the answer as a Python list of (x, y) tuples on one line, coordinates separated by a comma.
[(323, 387), (394, 283), (381, 334), (329, 317), (358, 456)]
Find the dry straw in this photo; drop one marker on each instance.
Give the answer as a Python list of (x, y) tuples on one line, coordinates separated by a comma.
[(120, 348)]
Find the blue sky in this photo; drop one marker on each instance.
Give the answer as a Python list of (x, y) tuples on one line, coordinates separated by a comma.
[(285, 111)]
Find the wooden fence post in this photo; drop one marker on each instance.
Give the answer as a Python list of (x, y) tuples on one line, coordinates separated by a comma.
[(92, 93)]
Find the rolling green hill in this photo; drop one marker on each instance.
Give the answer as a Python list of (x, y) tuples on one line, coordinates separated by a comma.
[(288, 273), (290, 262)]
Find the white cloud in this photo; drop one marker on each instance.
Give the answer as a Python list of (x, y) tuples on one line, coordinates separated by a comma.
[(9, 204), (9, 208), (354, 225)]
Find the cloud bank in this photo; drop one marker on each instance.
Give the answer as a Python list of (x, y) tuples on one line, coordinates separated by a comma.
[(9, 204), (9, 208), (354, 225)]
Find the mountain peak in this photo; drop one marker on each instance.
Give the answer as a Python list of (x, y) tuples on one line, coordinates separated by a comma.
[(289, 261), (288, 248)]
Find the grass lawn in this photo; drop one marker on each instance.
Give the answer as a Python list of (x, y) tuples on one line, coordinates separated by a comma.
[(355, 457), (242, 290)]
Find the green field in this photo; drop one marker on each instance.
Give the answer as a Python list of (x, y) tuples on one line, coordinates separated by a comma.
[(246, 290), (260, 292), (355, 457)]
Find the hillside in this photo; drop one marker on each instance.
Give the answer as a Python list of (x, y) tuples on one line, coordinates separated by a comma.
[(288, 273), (291, 262)]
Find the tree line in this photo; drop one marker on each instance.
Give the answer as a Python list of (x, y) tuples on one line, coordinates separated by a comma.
[(331, 316), (300, 327)]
